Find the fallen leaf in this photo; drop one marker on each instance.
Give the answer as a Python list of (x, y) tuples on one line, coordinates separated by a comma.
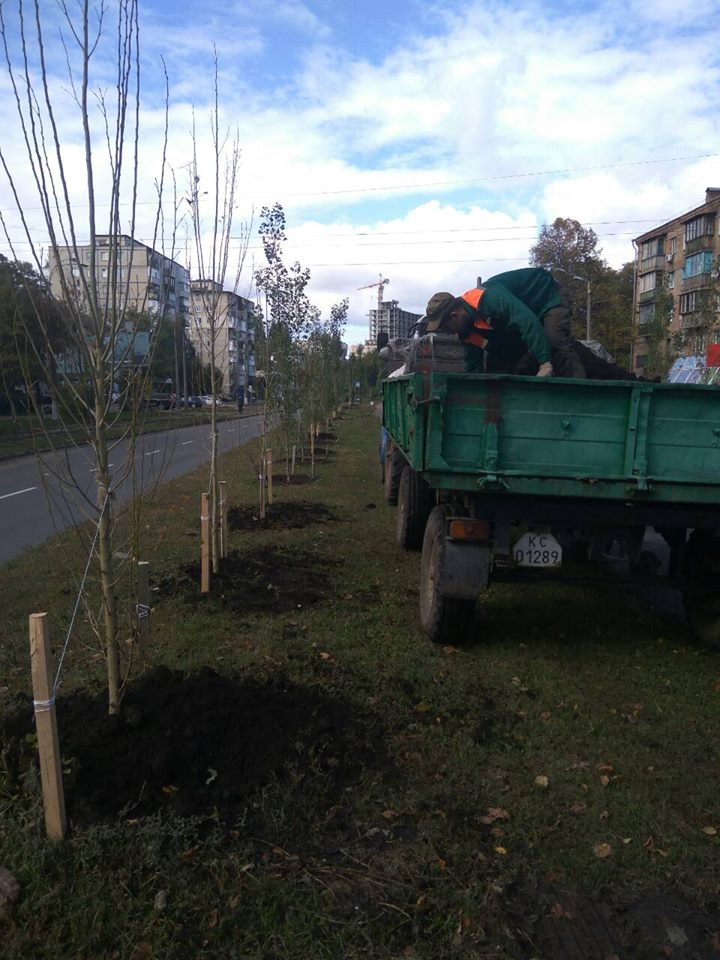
[(710, 831), (559, 912), (542, 782), (389, 814), (213, 919), (578, 809), (602, 850), (501, 850), (604, 780), (545, 716), (677, 936), (421, 707), (604, 815), (441, 864), (493, 814), (605, 768), (170, 789), (324, 655), (626, 840), (450, 650), (497, 832)]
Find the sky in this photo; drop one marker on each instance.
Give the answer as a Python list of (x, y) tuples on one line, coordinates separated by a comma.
[(424, 143)]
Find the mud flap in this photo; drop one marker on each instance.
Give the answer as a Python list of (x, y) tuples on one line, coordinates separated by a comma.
[(466, 569)]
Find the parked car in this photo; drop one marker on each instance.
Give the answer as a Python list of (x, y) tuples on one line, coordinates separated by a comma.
[(193, 401), (207, 401)]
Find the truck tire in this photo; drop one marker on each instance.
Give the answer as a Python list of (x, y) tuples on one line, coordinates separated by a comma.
[(415, 501), (444, 619), (701, 583), (394, 466)]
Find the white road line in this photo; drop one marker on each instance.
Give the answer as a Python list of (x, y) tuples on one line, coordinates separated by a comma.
[(17, 493), (186, 442), (152, 452)]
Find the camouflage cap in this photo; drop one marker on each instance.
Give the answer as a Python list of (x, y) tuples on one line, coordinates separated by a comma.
[(438, 308)]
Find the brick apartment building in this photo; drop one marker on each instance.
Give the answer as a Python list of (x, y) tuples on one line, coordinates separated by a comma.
[(154, 283), (677, 257), (234, 334)]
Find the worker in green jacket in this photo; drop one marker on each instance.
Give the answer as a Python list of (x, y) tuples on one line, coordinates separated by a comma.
[(509, 316)]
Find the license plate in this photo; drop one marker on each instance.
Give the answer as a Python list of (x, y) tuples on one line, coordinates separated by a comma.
[(537, 550)]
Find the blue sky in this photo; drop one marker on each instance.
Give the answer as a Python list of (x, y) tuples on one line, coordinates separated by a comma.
[(429, 141)]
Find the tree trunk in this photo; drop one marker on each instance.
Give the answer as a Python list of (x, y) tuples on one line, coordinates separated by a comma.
[(107, 573)]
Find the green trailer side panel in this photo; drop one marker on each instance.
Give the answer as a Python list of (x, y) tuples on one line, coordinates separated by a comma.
[(404, 417), (579, 438)]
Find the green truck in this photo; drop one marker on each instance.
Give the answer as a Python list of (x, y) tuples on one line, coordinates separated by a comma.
[(506, 478)]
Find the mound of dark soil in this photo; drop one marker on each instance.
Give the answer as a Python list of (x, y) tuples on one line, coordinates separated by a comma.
[(566, 925), (268, 579), (199, 743), (279, 515)]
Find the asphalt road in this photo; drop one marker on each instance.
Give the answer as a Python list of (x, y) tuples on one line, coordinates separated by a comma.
[(41, 497)]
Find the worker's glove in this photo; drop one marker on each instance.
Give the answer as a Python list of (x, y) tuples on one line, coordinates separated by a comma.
[(546, 370)]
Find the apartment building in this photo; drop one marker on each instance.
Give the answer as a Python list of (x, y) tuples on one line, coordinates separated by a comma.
[(391, 318), (234, 334), (152, 282), (674, 264)]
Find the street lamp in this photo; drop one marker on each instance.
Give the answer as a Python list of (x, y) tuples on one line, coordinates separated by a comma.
[(574, 276)]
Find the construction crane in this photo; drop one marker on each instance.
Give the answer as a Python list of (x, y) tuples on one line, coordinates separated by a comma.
[(380, 284)]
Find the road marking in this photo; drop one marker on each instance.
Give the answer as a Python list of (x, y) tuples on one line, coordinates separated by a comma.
[(186, 442), (152, 452), (17, 493)]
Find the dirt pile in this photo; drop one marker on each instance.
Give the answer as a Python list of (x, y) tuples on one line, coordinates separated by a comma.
[(197, 743), (268, 579), (279, 516)]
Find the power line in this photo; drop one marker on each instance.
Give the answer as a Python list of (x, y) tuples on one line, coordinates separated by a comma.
[(444, 183)]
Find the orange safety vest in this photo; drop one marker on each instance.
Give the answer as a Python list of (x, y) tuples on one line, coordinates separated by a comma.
[(472, 298)]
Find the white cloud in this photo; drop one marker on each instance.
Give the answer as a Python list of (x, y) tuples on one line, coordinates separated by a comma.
[(491, 94)]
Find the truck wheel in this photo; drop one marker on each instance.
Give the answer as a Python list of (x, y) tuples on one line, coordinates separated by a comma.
[(444, 619), (414, 506), (394, 466), (701, 580)]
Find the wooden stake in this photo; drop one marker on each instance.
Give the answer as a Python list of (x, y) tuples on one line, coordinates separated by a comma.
[(269, 469), (223, 519), (46, 725), (205, 543), (292, 466), (143, 605)]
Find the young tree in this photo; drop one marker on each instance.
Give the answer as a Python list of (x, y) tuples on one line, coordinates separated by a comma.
[(285, 317), (213, 238), (75, 199)]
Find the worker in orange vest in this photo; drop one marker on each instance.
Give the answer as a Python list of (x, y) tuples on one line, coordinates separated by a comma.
[(507, 317)]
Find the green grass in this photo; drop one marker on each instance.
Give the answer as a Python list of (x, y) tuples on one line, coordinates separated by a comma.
[(573, 684), (28, 434)]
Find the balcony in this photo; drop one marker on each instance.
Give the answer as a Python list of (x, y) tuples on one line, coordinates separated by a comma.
[(647, 296), (697, 282), (653, 263), (691, 320)]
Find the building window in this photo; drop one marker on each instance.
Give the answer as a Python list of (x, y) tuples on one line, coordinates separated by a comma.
[(688, 302), (672, 245), (699, 227), (647, 282), (652, 248), (647, 313), (670, 280), (698, 263)]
